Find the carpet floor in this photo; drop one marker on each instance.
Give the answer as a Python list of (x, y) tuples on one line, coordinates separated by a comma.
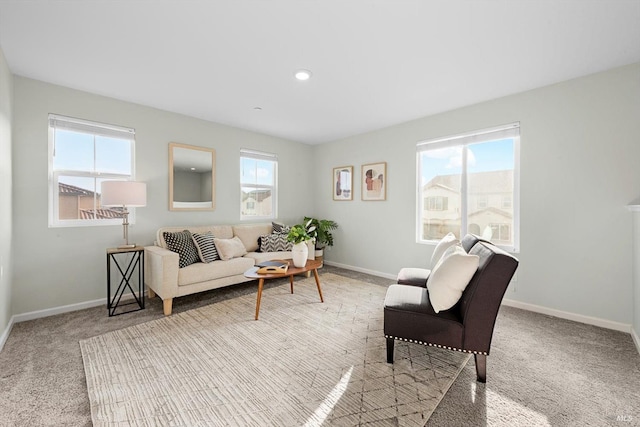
[(542, 370)]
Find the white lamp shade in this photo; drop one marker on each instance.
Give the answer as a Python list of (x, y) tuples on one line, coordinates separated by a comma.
[(124, 193)]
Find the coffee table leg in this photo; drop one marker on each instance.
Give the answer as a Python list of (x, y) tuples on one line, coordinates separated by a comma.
[(260, 284), (291, 282), (315, 273)]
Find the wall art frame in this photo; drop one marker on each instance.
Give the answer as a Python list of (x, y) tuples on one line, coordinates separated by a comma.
[(342, 183), (374, 181)]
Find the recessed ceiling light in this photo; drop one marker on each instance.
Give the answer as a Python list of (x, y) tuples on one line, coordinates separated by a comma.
[(303, 75), (257, 108)]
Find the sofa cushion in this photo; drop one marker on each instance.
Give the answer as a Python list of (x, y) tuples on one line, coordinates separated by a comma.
[(181, 242), (450, 277), (275, 242), (249, 234), (229, 248), (447, 241), (201, 272), (206, 247)]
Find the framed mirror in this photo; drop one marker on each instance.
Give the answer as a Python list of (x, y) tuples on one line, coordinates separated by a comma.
[(192, 178)]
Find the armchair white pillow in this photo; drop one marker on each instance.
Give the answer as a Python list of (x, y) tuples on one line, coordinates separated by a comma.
[(450, 277), (445, 243)]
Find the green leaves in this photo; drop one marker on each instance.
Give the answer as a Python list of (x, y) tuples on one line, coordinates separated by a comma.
[(320, 230), (298, 234), (313, 229)]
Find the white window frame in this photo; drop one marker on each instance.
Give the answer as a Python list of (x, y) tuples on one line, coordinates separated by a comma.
[(463, 140), (95, 129), (259, 155)]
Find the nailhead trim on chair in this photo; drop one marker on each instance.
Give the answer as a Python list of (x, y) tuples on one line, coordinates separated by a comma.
[(437, 345)]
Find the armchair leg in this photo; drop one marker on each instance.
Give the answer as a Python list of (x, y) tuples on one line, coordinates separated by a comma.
[(390, 343), (481, 367)]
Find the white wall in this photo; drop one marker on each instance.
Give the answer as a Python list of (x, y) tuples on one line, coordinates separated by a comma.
[(579, 169), (636, 274), (6, 102), (60, 266)]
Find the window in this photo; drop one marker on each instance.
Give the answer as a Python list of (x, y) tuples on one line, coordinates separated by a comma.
[(83, 154), (482, 202), (437, 203), (500, 232), (506, 202), (478, 175), (258, 184)]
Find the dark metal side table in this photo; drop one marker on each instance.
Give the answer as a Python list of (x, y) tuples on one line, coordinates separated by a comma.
[(133, 260)]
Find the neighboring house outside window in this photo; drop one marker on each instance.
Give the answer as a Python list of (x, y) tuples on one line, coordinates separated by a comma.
[(481, 201), (506, 202), (258, 184), (436, 203), (478, 174), (83, 154)]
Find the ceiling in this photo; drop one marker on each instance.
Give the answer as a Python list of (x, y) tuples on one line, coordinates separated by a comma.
[(375, 63)]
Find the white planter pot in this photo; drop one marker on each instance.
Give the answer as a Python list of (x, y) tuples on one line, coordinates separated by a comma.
[(299, 253), (319, 252)]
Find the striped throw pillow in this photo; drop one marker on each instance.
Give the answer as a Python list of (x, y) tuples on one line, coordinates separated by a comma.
[(275, 242), (206, 248)]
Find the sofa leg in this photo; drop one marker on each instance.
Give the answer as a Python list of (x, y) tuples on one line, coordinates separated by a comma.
[(481, 367), (390, 343), (151, 293), (167, 305)]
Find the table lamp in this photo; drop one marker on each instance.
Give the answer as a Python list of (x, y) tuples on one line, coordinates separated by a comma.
[(125, 194)]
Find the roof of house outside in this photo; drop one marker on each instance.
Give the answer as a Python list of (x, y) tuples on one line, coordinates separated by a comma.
[(491, 182), (257, 195), (114, 212), (492, 210), (72, 190)]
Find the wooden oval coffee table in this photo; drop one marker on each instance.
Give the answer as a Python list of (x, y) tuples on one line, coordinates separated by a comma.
[(312, 265)]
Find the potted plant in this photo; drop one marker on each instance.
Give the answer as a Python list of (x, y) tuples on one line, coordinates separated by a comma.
[(320, 230), (299, 235)]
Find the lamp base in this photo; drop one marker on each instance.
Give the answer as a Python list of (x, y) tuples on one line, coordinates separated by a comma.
[(128, 246)]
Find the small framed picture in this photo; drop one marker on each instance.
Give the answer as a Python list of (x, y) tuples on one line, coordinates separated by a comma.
[(374, 181), (343, 183)]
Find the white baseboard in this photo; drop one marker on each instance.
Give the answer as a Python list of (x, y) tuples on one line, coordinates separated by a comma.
[(65, 309), (362, 270), (608, 324), (58, 310), (38, 314), (636, 339), (7, 331)]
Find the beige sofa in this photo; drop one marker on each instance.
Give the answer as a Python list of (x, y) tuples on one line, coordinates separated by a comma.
[(164, 278)]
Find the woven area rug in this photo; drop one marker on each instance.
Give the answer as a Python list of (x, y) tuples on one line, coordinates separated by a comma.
[(304, 363)]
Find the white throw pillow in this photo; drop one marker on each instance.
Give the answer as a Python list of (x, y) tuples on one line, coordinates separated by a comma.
[(444, 244), (229, 248), (450, 277)]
